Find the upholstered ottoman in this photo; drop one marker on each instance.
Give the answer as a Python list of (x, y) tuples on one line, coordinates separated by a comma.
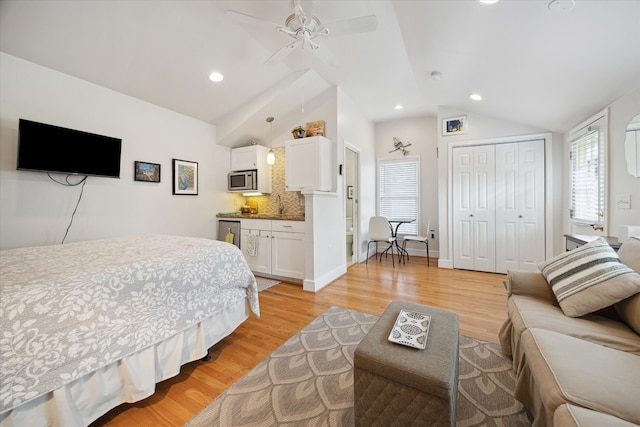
[(399, 385)]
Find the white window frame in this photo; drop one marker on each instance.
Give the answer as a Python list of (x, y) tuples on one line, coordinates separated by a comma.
[(387, 193), (588, 196)]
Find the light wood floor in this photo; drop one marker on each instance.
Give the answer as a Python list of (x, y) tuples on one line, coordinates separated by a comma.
[(478, 298)]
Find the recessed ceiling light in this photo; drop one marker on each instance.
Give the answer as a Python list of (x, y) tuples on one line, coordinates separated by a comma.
[(216, 77), (476, 97), (436, 75), (561, 5), (398, 107), (487, 1)]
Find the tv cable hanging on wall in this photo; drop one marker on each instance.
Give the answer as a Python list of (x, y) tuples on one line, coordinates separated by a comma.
[(83, 181)]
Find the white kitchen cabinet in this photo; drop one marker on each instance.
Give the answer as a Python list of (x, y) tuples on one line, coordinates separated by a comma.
[(260, 231), (253, 157), (280, 247), (309, 165), (248, 158)]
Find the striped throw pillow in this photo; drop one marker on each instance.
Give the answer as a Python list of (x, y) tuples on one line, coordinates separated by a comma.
[(589, 278)]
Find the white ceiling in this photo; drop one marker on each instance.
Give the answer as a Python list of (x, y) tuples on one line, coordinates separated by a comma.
[(541, 68)]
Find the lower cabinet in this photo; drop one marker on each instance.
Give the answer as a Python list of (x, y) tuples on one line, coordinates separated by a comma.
[(274, 248)]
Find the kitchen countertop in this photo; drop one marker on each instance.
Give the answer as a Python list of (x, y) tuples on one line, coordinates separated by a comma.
[(283, 217)]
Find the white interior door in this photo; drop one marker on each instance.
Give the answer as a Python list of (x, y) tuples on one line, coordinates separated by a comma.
[(520, 228), (484, 209), (463, 208), (474, 208)]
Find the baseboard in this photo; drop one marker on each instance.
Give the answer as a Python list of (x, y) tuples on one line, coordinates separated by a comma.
[(320, 282)]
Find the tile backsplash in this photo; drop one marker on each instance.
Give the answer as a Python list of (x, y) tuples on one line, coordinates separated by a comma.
[(293, 201)]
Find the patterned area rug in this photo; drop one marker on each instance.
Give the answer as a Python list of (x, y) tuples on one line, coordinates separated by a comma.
[(308, 381), (264, 283)]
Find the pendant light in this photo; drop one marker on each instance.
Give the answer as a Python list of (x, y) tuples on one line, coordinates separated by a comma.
[(271, 157)]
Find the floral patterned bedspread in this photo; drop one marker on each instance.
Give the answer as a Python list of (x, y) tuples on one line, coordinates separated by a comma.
[(68, 310)]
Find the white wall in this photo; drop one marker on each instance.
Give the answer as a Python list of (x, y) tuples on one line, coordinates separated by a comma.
[(479, 128), (422, 133), (36, 211), (358, 131), (621, 182)]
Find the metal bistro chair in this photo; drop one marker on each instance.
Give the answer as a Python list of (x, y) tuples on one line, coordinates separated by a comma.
[(420, 239), (380, 231)]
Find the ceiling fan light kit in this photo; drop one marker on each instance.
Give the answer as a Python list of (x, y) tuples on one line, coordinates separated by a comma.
[(561, 5), (304, 28)]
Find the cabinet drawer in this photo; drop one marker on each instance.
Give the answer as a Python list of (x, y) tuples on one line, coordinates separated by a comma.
[(288, 226), (255, 224)]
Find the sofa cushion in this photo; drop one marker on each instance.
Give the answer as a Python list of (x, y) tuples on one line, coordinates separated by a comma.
[(629, 312), (589, 278), (629, 309), (527, 312), (568, 415), (565, 369), (629, 253)]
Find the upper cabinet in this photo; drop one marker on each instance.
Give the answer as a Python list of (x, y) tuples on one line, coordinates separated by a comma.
[(253, 157), (249, 158), (309, 166)]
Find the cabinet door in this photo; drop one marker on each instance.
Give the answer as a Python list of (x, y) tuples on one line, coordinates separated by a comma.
[(260, 260), (244, 158), (288, 254), (308, 166)]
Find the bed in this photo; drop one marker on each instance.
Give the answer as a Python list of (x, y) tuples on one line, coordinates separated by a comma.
[(87, 326)]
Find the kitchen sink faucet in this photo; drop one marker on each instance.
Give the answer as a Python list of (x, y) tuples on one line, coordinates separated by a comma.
[(280, 205)]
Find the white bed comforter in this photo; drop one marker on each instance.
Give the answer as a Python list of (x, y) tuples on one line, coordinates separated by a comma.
[(68, 310)]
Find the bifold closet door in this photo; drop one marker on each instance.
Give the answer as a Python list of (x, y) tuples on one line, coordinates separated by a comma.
[(520, 230), (474, 208)]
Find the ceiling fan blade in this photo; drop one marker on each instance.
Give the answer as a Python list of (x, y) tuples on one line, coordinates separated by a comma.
[(362, 24), (323, 54), (248, 19), (281, 53)]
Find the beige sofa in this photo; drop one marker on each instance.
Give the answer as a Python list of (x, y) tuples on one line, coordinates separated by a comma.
[(582, 370)]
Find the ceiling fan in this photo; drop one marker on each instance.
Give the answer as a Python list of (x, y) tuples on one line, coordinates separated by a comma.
[(304, 28)]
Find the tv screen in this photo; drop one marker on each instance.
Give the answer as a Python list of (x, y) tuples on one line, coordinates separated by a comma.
[(47, 148)]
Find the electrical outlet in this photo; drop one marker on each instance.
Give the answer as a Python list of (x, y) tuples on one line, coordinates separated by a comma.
[(432, 232), (623, 201)]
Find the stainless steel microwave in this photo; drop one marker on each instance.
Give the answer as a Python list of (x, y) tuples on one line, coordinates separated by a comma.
[(243, 181)]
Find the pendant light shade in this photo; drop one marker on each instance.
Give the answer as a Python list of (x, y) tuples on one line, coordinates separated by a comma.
[(271, 157)]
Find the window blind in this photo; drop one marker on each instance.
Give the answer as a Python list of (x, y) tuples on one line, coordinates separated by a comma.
[(587, 177), (398, 191)]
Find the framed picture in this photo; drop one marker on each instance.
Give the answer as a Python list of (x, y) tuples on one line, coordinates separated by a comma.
[(185, 177), (454, 125), (349, 191), (145, 171)]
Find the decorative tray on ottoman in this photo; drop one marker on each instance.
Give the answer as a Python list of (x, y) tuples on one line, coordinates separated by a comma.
[(411, 329)]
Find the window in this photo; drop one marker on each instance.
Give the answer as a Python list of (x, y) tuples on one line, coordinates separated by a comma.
[(398, 191), (588, 173)]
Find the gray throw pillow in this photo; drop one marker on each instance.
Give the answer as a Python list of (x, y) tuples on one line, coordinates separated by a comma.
[(589, 278)]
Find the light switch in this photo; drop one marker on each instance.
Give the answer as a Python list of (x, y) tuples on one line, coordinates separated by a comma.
[(623, 201)]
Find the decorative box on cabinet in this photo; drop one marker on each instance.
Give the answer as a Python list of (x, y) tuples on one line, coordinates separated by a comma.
[(280, 247), (309, 165)]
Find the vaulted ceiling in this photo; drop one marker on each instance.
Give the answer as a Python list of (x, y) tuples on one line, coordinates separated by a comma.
[(532, 64)]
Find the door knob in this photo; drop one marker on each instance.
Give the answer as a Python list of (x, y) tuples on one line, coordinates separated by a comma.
[(519, 216)]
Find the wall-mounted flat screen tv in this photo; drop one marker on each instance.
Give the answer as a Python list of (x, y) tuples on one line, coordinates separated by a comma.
[(47, 148)]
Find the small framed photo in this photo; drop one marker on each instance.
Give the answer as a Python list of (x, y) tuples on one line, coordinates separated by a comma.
[(145, 171), (454, 125), (349, 191), (185, 177)]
